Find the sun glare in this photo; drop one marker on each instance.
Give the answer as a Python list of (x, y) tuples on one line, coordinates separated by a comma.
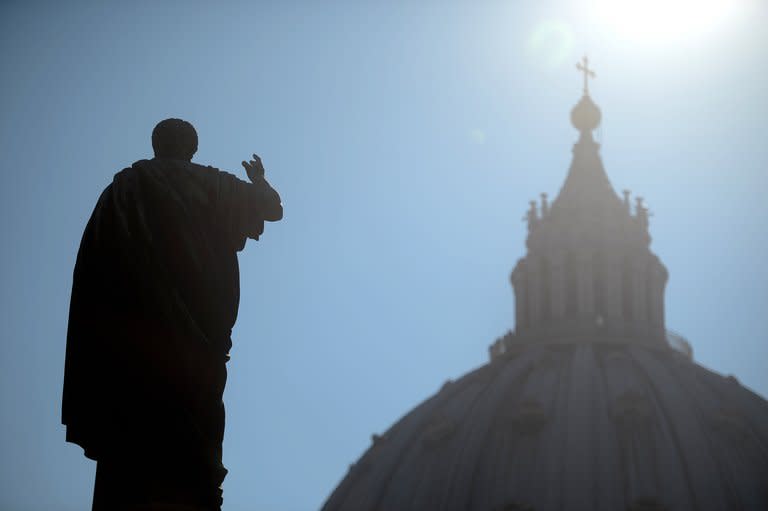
[(663, 21)]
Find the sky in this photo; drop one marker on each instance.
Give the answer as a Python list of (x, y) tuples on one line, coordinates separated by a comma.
[(406, 139)]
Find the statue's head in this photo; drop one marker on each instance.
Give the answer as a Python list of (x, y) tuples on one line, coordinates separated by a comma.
[(174, 138)]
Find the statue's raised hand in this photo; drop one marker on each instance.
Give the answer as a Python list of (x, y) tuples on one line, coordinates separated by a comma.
[(254, 169)]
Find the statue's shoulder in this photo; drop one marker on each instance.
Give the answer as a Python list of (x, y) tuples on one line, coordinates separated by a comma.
[(169, 170), (135, 167), (207, 170), (211, 172), (126, 174), (154, 165)]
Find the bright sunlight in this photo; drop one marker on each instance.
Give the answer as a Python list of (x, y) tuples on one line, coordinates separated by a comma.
[(664, 21)]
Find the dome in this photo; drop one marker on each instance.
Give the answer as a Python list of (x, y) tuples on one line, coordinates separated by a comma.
[(572, 426), (585, 116), (590, 403)]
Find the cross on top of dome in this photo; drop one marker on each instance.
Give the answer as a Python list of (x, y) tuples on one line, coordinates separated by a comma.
[(583, 67), (585, 116)]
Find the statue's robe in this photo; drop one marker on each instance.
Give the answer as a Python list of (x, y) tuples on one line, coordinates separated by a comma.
[(154, 299)]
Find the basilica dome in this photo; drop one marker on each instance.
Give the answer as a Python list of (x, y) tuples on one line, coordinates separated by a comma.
[(590, 403), (572, 426)]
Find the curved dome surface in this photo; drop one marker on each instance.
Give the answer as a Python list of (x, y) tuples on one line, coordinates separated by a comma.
[(590, 404), (572, 426)]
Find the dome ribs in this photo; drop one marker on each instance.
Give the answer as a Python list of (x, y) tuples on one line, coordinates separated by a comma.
[(677, 414), (598, 426), (502, 469), (578, 459)]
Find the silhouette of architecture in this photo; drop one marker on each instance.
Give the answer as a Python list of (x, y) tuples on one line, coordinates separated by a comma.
[(154, 298), (590, 403)]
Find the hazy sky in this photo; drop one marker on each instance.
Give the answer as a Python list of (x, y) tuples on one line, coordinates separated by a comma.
[(406, 139)]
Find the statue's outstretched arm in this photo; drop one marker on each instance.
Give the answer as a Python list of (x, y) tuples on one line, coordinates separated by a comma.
[(271, 206)]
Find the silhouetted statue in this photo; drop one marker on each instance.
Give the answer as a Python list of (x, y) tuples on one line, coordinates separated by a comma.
[(154, 298)]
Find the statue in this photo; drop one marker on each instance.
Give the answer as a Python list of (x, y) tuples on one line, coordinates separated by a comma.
[(154, 298)]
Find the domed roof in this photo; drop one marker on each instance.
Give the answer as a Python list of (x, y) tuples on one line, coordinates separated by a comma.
[(572, 426), (590, 404)]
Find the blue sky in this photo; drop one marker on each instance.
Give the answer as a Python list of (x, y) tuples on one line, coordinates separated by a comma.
[(406, 139)]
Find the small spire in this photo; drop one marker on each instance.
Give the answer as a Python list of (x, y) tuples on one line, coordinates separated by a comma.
[(641, 213), (626, 199), (532, 216)]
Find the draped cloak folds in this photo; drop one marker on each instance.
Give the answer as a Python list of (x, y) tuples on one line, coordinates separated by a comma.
[(154, 298)]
